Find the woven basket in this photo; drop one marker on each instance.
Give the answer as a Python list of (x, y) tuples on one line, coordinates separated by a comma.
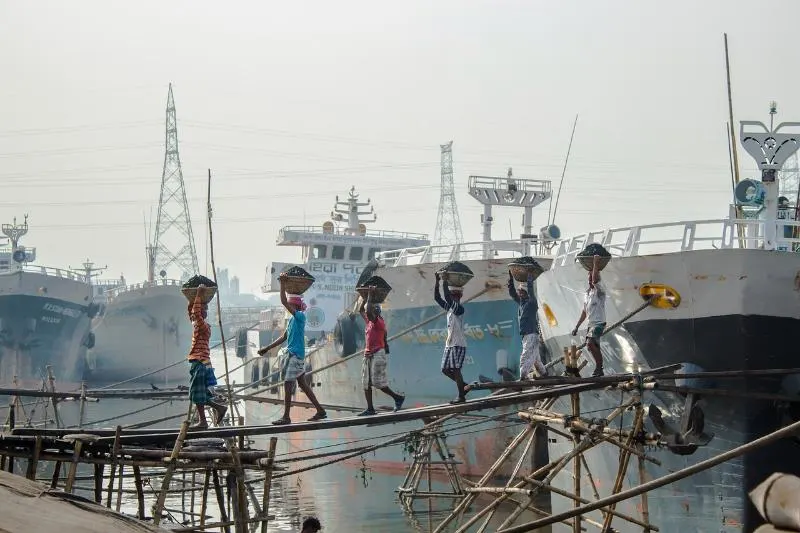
[(296, 285), (378, 295), (586, 262), (456, 279), (191, 294), (520, 271)]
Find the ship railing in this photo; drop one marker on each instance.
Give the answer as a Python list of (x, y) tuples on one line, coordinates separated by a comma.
[(380, 234), (683, 236), (467, 251), (63, 273), (116, 291)]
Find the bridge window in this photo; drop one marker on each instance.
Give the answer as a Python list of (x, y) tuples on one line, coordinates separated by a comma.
[(373, 252), (356, 253), (319, 251), (337, 252)]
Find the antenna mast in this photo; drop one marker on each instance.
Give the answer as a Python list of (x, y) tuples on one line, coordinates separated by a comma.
[(349, 209), (174, 240), (448, 223)]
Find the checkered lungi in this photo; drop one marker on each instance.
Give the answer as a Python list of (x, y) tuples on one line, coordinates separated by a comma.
[(198, 383), (293, 368), (453, 357)]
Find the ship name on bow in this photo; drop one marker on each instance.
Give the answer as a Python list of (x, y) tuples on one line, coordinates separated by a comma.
[(58, 309), (474, 331)]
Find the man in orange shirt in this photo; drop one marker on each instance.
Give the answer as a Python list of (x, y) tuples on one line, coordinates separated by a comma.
[(373, 368), (200, 361)]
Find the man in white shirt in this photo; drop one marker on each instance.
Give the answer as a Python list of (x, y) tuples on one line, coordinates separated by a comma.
[(455, 348), (594, 308)]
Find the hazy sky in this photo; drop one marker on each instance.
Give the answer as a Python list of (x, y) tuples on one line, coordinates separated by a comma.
[(291, 103)]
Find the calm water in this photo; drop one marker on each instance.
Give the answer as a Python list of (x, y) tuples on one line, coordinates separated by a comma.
[(343, 496)]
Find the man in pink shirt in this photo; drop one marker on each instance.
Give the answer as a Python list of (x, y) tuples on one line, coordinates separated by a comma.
[(373, 368)]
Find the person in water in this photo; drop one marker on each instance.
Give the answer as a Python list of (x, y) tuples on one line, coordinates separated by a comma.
[(199, 359), (294, 368), (455, 347), (374, 365), (527, 314), (594, 308)]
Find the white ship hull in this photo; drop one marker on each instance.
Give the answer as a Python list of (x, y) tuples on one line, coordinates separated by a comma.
[(144, 328)]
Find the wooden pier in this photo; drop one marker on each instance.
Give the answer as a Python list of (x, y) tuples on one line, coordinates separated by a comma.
[(203, 465)]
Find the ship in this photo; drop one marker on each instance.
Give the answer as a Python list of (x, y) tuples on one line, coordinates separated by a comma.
[(142, 328), (738, 283), (45, 315), (339, 256)]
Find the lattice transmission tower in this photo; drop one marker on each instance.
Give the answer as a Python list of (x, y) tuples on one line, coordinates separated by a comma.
[(174, 240), (448, 224), (789, 177)]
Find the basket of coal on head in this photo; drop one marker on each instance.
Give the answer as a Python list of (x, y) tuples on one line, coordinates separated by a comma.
[(456, 274), (586, 256), (521, 267), (296, 280), (380, 292), (189, 289)]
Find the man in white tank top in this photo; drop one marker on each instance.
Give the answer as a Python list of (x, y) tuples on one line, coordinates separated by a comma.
[(594, 308), (455, 347)]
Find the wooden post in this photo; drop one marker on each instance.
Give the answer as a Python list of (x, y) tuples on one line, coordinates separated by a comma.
[(191, 494), (220, 500), (33, 462), (119, 487), (73, 467), (137, 477), (98, 483), (83, 404), (56, 473), (114, 454), (642, 474), (159, 505), (52, 385), (576, 412), (204, 498), (273, 442)]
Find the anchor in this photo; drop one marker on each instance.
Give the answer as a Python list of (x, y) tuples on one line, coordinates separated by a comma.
[(690, 436)]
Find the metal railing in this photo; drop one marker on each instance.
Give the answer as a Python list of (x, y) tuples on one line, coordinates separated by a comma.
[(621, 242), (682, 236), (380, 234), (466, 251), (63, 273), (116, 291)]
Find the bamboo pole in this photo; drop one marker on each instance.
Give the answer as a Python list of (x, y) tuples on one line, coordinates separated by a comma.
[(115, 454), (739, 228), (268, 468), (170, 469), (231, 404), (204, 499), (220, 501), (784, 432), (137, 475), (576, 412)]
